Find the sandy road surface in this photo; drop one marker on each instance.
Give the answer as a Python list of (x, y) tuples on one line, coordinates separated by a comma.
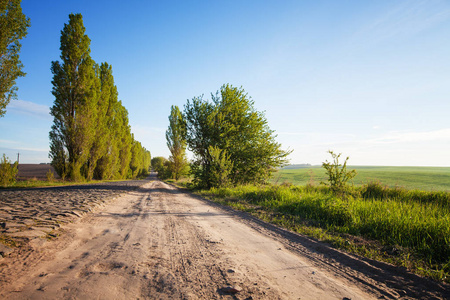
[(157, 242)]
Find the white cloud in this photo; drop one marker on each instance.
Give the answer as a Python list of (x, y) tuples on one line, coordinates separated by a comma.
[(30, 108)]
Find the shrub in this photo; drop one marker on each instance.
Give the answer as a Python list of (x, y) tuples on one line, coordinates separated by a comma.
[(8, 172), (338, 176), (50, 176)]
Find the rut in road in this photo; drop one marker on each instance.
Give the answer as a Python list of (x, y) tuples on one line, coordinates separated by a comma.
[(158, 242)]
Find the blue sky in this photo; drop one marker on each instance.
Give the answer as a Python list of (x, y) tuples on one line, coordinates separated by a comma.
[(370, 79)]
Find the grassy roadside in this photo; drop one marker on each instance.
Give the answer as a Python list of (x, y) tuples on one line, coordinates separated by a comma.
[(411, 233)]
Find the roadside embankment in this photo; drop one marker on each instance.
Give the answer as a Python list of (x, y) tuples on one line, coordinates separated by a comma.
[(29, 214)]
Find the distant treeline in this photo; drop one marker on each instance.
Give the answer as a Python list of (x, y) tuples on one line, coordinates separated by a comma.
[(90, 136)]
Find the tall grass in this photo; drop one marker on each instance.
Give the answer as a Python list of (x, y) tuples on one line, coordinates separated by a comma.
[(414, 220)]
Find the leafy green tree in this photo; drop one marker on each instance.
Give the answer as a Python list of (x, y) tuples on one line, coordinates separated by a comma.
[(13, 28), (75, 87), (102, 132), (337, 173), (90, 137), (176, 142), (124, 140), (157, 161), (140, 160), (8, 171), (161, 166), (231, 123), (108, 163), (146, 162)]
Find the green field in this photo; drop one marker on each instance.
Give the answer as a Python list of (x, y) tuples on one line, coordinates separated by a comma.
[(419, 178)]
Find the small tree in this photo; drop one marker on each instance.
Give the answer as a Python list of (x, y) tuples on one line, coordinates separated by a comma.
[(338, 176), (8, 172)]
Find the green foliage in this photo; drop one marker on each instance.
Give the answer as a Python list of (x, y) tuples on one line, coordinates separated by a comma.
[(74, 82), (338, 176), (176, 142), (13, 28), (50, 176), (140, 160), (230, 122), (8, 172), (162, 166), (90, 136), (221, 167)]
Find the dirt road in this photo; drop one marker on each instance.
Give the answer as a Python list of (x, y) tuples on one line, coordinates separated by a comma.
[(158, 242)]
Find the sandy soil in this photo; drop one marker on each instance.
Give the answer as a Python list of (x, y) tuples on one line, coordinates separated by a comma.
[(158, 242)]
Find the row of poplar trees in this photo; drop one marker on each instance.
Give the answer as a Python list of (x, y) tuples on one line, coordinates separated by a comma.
[(90, 137), (231, 141)]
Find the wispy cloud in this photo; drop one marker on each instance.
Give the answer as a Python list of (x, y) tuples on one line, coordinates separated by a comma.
[(30, 108), (405, 19), (8, 142)]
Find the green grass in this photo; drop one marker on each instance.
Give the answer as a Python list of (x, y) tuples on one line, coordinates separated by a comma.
[(406, 229), (419, 178)]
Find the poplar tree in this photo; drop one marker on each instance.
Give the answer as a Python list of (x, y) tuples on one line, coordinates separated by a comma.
[(176, 142), (99, 148), (13, 28), (136, 158), (124, 142), (75, 87), (140, 160), (107, 164)]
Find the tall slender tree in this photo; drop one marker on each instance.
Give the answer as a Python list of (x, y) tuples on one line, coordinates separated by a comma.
[(75, 87), (13, 27), (107, 164), (102, 132), (124, 140), (176, 142)]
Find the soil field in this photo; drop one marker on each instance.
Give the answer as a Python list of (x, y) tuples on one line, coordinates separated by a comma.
[(38, 171), (160, 242)]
